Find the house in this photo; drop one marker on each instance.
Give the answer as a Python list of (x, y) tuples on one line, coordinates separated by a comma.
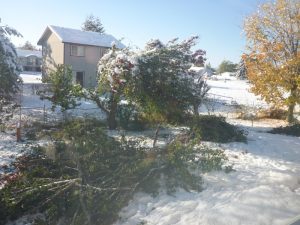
[(201, 72), (81, 50), (29, 60)]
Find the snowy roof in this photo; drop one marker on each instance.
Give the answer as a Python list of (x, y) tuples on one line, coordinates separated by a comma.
[(197, 69), (26, 53), (201, 70), (69, 35)]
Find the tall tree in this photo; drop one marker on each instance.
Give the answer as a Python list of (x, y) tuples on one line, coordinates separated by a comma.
[(273, 62), (94, 24), (165, 89), (227, 66), (241, 72), (9, 69), (28, 46)]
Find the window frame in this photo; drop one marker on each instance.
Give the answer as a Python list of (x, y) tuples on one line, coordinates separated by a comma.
[(72, 53)]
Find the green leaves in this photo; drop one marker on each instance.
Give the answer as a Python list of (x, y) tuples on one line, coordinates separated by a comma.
[(62, 92)]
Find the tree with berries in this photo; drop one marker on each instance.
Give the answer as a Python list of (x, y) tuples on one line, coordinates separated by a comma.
[(114, 74)]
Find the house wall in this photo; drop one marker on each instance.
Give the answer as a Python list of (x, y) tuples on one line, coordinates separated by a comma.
[(86, 64), (52, 52), (30, 63)]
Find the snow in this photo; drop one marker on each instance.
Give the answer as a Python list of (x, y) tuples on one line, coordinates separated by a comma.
[(264, 187), (228, 87), (9, 149), (26, 53), (69, 35), (31, 78)]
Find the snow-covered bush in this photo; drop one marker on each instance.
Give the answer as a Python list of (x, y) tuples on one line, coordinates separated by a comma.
[(156, 80), (163, 86), (9, 71), (93, 176)]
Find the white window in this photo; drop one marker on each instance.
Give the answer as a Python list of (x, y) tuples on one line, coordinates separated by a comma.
[(77, 50)]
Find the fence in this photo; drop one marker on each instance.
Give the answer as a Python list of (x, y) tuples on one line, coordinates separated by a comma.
[(48, 116)]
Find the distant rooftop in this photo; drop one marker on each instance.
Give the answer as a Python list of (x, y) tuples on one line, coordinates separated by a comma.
[(69, 35), (26, 53)]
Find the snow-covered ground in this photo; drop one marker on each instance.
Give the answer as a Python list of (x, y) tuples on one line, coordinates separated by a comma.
[(229, 88), (263, 189)]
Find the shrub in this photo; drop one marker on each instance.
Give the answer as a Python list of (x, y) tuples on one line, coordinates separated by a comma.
[(293, 130), (215, 129), (272, 113), (91, 176), (129, 118)]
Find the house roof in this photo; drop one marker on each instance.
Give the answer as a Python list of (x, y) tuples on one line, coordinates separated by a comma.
[(26, 53), (69, 35), (201, 70)]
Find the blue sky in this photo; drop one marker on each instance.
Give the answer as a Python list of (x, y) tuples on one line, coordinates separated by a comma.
[(217, 22)]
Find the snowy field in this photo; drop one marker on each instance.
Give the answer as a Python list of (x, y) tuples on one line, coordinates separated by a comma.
[(263, 189)]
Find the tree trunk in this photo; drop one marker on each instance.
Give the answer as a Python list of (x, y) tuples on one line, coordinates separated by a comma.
[(196, 109), (290, 115), (111, 119), (292, 103), (156, 135)]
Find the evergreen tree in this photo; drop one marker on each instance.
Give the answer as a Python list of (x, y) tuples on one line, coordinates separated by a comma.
[(94, 24), (241, 72), (28, 46), (62, 92), (164, 87), (227, 66), (9, 69)]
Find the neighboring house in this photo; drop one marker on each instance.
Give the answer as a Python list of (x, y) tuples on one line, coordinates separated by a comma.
[(200, 72), (29, 60), (81, 50)]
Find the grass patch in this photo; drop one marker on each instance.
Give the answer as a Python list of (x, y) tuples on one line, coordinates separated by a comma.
[(293, 130), (215, 129)]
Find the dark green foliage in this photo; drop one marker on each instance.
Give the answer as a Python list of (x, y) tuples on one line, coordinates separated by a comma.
[(94, 24), (129, 118), (28, 46), (88, 177), (227, 66), (241, 72), (172, 166), (162, 86), (9, 70), (215, 129), (62, 92), (293, 130)]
